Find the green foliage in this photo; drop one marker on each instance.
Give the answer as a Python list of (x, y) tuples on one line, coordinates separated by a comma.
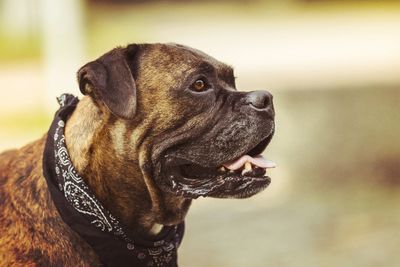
[(16, 49)]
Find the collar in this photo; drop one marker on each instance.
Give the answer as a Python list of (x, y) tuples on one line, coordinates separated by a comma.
[(82, 212)]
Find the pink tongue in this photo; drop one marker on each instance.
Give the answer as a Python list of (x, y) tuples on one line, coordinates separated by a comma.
[(259, 161)]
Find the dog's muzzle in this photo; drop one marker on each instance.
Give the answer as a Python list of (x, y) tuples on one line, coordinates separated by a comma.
[(226, 161)]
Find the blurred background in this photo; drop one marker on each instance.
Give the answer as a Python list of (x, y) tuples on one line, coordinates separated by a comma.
[(334, 70)]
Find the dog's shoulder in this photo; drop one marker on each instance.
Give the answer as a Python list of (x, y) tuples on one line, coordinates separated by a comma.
[(19, 168), (32, 232)]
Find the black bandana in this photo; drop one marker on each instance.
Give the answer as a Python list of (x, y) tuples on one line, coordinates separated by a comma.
[(80, 209)]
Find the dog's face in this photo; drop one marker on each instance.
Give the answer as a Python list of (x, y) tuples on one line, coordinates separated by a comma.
[(191, 118)]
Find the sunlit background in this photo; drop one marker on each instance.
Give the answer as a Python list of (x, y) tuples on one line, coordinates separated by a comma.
[(334, 70)]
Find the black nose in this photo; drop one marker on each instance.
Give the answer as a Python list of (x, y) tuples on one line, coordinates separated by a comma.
[(259, 99)]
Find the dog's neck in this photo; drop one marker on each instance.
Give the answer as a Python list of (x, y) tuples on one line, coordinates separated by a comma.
[(98, 147)]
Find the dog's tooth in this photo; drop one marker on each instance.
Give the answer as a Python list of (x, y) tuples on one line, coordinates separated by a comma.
[(222, 169), (244, 171), (247, 166)]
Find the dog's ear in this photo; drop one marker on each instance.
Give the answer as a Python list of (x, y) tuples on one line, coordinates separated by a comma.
[(109, 79)]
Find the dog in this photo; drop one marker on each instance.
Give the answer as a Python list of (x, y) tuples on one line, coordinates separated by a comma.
[(158, 126)]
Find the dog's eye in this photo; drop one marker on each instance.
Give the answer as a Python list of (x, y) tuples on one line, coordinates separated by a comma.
[(199, 85)]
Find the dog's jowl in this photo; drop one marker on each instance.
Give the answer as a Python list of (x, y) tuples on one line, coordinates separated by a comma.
[(112, 180)]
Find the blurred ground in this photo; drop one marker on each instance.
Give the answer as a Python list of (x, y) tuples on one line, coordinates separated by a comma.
[(334, 73)]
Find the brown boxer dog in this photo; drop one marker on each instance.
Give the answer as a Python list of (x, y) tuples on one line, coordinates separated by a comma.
[(159, 125)]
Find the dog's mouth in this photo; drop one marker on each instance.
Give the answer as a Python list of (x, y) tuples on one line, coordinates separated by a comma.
[(241, 177)]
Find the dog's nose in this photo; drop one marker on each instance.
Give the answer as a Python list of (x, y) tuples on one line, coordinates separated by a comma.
[(259, 99)]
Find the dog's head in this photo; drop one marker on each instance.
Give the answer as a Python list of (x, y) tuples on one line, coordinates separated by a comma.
[(186, 117)]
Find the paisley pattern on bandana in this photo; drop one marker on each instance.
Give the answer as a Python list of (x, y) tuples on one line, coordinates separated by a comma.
[(161, 252)]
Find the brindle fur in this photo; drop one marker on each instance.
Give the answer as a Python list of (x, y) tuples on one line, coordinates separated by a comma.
[(32, 232), (111, 147)]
